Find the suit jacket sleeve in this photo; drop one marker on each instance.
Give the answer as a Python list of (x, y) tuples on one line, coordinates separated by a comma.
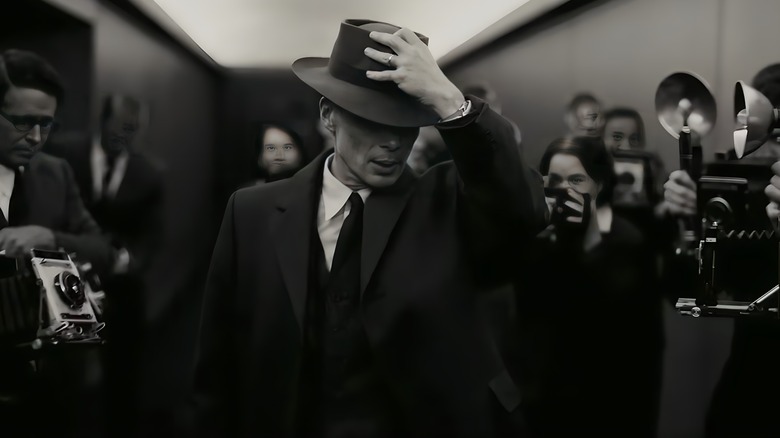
[(213, 388), (80, 233), (502, 198)]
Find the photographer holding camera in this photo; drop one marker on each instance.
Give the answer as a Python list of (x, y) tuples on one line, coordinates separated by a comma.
[(746, 399), (587, 281), (39, 199)]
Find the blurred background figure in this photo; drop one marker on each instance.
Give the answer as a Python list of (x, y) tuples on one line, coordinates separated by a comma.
[(583, 356), (280, 153), (583, 116), (624, 129), (123, 191), (640, 172), (484, 91), (428, 150)]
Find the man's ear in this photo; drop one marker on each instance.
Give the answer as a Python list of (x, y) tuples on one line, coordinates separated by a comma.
[(326, 113)]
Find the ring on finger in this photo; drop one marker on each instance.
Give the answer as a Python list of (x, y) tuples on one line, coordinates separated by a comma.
[(390, 60)]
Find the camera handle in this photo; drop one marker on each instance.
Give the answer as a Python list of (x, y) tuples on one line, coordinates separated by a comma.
[(691, 162)]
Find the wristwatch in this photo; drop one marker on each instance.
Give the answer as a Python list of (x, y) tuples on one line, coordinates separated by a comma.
[(462, 110)]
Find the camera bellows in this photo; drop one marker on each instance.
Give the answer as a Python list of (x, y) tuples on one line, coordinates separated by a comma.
[(19, 309)]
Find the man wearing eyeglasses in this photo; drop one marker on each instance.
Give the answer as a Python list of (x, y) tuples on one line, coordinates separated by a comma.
[(40, 206), (40, 202)]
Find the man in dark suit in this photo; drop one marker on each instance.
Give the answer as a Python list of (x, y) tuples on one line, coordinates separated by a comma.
[(50, 213), (123, 191), (341, 302), (40, 203)]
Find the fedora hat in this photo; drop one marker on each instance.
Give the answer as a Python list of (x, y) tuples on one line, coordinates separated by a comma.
[(342, 78)]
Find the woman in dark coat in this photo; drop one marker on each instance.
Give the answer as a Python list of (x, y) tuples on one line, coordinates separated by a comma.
[(589, 311)]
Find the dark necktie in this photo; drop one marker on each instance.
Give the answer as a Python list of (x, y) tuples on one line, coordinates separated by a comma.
[(347, 253), (107, 176)]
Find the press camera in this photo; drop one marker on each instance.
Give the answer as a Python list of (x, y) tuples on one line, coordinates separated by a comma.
[(49, 300), (732, 240)]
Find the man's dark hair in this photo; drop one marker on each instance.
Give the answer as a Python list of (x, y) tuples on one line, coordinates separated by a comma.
[(112, 102), (767, 81), (594, 157), (20, 68), (630, 113), (582, 98)]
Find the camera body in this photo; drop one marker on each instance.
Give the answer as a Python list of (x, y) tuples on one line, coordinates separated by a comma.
[(48, 302), (737, 253), (635, 187), (64, 293)]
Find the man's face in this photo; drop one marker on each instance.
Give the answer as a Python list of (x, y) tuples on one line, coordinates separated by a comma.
[(621, 133), (280, 153), (587, 120), (368, 154), (119, 130), (31, 114)]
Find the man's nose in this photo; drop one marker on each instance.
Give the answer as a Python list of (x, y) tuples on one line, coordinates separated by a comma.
[(392, 144), (34, 135)]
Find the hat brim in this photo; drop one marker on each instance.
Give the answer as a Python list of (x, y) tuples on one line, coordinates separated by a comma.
[(388, 109)]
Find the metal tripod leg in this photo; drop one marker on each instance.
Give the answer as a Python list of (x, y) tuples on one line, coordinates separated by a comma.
[(757, 305)]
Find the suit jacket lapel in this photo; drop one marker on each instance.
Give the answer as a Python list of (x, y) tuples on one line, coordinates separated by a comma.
[(382, 211), (291, 231)]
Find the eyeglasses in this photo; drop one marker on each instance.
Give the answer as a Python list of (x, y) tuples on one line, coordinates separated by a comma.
[(27, 123)]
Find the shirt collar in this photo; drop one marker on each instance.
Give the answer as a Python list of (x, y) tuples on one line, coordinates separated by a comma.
[(7, 178), (334, 193)]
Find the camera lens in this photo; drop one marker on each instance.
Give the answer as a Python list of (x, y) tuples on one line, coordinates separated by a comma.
[(626, 178), (718, 210), (70, 289)]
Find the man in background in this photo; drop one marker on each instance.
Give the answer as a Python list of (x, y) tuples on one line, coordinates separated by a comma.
[(123, 191), (583, 116)]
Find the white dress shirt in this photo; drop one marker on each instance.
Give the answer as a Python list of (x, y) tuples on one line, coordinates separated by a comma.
[(7, 179), (333, 210), (99, 168)]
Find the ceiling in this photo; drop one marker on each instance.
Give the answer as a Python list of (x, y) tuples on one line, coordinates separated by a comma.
[(273, 33)]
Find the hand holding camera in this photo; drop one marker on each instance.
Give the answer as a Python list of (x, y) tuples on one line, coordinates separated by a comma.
[(570, 215), (680, 194), (18, 241), (568, 207), (772, 192)]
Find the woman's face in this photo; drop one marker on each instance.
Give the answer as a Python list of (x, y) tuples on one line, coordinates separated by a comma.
[(622, 133), (279, 153), (566, 171)]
